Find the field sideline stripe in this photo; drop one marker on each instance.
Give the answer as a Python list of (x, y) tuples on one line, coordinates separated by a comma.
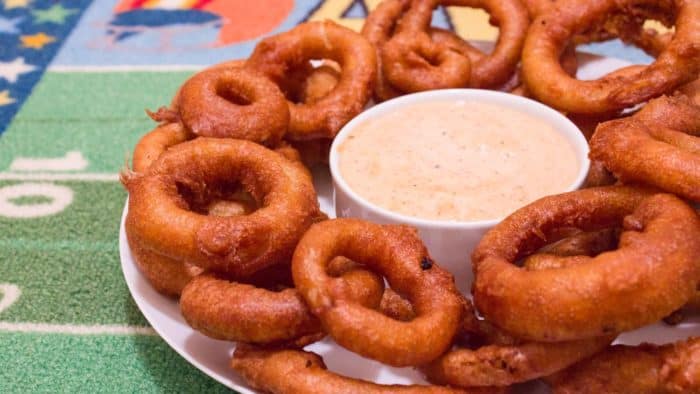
[(46, 328), (126, 68), (46, 176)]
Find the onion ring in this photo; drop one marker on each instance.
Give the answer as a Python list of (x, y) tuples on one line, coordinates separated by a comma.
[(628, 27), (538, 7), (170, 114), (413, 62), (659, 146), (166, 135), (233, 102), (312, 84), (456, 43), (500, 364), (166, 275), (643, 369), (568, 59), (410, 57), (579, 245), (397, 253), (162, 220), (169, 276), (153, 144), (660, 233), (378, 28), (295, 371), (550, 33), (308, 84), (236, 63), (576, 248), (275, 55), (243, 312)]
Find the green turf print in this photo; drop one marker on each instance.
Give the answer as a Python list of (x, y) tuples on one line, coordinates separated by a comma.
[(72, 161), (59, 363), (102, 124), (74, 284)]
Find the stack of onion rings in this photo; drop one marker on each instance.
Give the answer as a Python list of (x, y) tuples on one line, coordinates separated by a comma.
[(414, 57), (215, 221), (489, 70)]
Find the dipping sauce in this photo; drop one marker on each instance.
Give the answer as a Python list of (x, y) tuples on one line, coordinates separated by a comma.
[(456, 160)]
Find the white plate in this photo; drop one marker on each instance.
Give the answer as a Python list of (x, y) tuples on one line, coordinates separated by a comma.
[(212, 357)]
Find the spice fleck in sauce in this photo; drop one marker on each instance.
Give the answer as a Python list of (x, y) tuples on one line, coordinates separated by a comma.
[(456, 160)]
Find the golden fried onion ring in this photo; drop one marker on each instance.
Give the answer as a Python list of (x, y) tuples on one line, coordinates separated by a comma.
[(233, 102), (652, 272), (643, 369), (276, 55), (397, 253), (551, 32), (659, 146), (161, 218)]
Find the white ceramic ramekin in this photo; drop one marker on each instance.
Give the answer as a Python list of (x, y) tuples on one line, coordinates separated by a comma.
[(450, 242)]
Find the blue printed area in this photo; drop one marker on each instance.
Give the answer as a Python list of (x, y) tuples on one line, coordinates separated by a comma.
[(143, 38), (618, 49), (162, 37), (23, 62), (150, 37), (356, 10), (130, 23), (440, 19), (157, 18)]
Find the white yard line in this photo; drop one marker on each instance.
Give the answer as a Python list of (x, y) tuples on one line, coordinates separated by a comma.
[(44, 176), (46, 328), (126, 68), (10, 294)]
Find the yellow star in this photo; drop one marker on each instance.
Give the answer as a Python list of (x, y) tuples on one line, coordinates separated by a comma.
[(9, 4), (5, 98), (36, 41)]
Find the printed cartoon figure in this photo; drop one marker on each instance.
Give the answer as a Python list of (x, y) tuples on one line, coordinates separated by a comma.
[(181, 23)]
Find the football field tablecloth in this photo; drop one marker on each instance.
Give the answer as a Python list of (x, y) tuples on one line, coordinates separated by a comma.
[(75, 78)]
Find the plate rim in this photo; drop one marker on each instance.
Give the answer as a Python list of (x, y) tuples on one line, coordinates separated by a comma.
[(126, 258)]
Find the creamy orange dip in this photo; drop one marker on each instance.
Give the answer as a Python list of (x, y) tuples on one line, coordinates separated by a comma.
[(456, 160)]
